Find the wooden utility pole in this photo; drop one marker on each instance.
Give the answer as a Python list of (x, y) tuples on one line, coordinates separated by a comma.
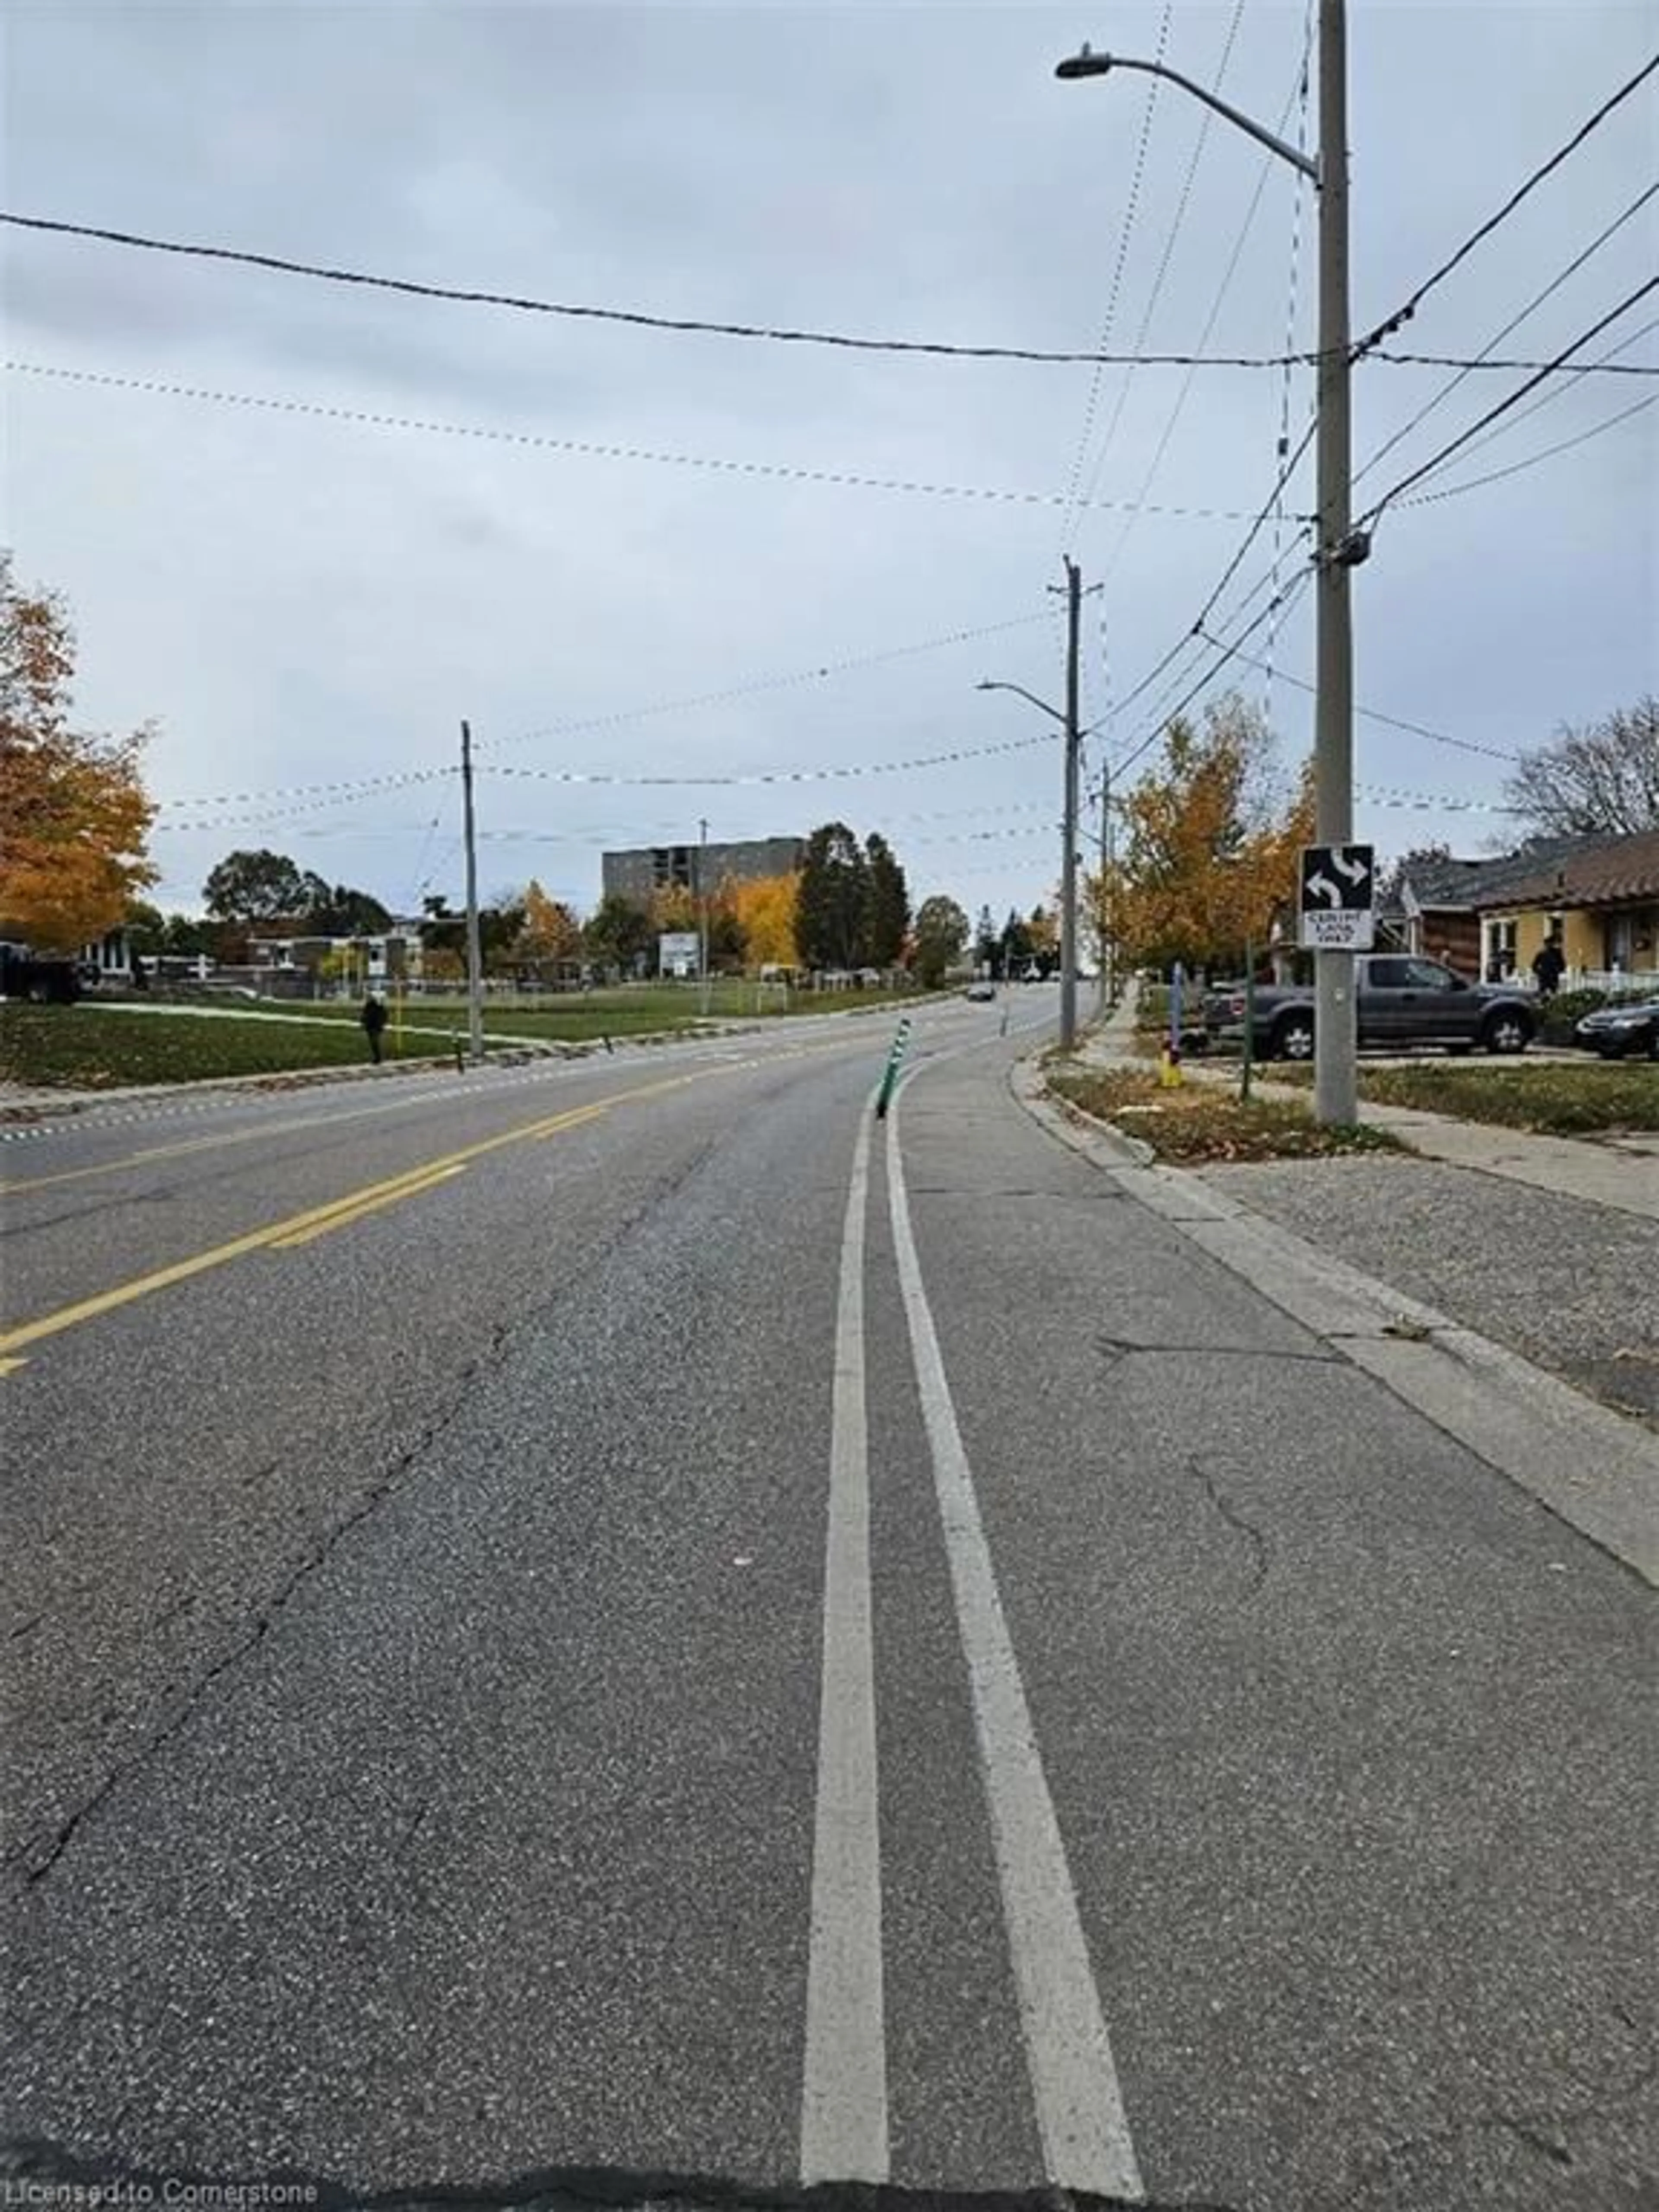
[(1068, 861), (474, 938)]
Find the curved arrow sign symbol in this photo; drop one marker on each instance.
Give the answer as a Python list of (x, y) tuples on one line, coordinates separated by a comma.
[(1355, 871), (1322, 887)]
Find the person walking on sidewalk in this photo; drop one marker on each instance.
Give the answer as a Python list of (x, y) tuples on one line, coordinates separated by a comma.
[(373, 1021), (1548, 966)]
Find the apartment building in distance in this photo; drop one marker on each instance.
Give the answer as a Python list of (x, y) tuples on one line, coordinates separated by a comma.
[(637, 874)]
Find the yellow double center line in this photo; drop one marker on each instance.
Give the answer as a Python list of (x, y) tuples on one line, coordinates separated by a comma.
[(299, 1228)]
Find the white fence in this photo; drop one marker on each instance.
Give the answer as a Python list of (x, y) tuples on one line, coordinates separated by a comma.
[(1592, 979)]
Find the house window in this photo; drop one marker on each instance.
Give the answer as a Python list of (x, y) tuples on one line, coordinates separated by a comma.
[(1620, 941), (1498, 953)]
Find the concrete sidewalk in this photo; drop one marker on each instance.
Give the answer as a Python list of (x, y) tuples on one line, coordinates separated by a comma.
[(1619, 1172), (1560, 1272)]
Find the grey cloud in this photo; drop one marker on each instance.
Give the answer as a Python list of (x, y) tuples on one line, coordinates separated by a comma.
[(298, 600)]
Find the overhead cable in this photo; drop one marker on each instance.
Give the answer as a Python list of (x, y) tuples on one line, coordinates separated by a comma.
[(1160, 275), (933, 348), (584, 448), (1404, 314), (1532, 460), (1494, 414), (1226, 654), (1132, 202), (1393, 721), (1561, 388), (823, 672), (841, 772), (1438, 399), (1216, 302)]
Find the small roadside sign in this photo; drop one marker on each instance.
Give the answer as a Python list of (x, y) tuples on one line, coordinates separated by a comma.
[(1338, 901)]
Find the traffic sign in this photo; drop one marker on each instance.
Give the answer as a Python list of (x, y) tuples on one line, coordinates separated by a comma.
[(1339, 892)]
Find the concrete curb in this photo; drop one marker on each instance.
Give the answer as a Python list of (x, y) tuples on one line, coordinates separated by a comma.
[(1594, 1174), (1587, 1466), (1103, 1142)]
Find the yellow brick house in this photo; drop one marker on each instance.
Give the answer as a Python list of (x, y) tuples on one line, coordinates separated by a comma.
[(1601, 894)]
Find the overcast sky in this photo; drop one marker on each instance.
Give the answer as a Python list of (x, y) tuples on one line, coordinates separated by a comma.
[(296, 600)]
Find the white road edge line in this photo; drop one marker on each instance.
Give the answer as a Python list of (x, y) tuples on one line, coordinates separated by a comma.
[(1079, 2108), (844, 2125)]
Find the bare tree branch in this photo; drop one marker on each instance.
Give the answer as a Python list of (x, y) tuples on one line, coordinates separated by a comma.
[(1604, 778)]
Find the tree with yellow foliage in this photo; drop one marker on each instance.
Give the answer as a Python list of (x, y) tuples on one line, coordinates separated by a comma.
[(73, 810), (765, 908), (551, 932), (1207, 853), (673, 908)]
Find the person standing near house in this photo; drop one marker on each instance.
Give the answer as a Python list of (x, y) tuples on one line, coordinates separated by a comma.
[(1548, 965), (373, 1021)]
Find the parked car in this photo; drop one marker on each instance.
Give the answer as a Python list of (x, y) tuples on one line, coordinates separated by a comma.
[(42, 980), (1401, 1001), (981, 989), (1618, 1032)]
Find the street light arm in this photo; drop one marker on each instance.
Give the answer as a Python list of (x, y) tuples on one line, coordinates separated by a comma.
[(1088, 64), (1052, 712)]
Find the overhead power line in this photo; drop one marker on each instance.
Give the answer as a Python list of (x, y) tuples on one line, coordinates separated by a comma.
[(1439, 398), (1429, 802), (587, 449), (1532, 460), (850, 665), (1298, 90), (1560, 389), (1394, 721), (1195, 635), (1132, 202), (1226, 654), (839, 772), (363, 784), (1184, 199), (760, 778), (1494, 414), (1269, 506), (1404, 314), (680, 324)]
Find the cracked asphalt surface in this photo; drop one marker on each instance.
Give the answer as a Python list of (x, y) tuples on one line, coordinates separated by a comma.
[(412, 1670)]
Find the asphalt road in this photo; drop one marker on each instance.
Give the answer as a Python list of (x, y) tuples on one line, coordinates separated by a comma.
[(539, 1635)]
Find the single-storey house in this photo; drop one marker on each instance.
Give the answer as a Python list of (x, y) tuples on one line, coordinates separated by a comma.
[(1438, 907), (1601, 895)]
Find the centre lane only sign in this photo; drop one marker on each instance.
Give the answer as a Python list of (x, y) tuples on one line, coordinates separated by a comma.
[(1339, 897)]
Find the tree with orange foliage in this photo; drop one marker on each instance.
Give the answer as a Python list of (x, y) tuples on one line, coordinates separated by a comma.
[(73, 808), (1207, 858)]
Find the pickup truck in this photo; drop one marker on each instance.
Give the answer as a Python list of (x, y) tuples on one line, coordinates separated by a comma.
[(1402, 1000)]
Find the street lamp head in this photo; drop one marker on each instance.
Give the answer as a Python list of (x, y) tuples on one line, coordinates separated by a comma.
[(1084, 64)]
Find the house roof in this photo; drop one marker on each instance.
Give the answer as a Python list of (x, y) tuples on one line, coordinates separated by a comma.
[(1593, 872), (1460, 886)]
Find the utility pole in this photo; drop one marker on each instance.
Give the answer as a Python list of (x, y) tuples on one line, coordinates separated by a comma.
[(1335, 1042), (1068, 864), (702, 913), (1101, 916), (1340, 547), (474, 941)]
